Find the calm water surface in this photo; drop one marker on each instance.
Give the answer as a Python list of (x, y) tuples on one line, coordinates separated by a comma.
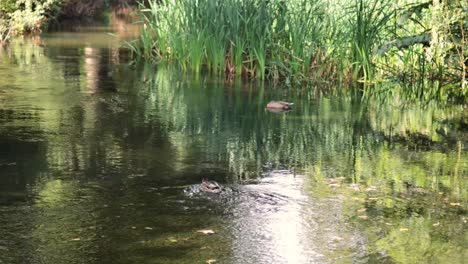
[(100, 162)]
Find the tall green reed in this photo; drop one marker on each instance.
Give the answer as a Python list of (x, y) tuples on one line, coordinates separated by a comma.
[(367, 22), (329, 43), (247, 37)]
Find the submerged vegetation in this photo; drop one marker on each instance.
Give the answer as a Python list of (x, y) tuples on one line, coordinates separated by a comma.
[(332, 43)]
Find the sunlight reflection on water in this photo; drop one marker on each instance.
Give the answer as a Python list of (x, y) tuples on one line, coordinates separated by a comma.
[(276, 226)]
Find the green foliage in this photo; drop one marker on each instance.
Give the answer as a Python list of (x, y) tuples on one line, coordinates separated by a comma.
[(428, 58), (4, 33), (322, 42), (7, 6), (32, 16), (234, 36), (367, 26), (29, 15)]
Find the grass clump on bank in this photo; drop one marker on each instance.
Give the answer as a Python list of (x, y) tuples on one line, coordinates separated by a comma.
[(299, 39), (263, 39), (331, 42)]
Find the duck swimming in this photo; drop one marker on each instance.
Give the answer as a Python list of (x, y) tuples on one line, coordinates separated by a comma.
[(210, 186), (279, 105)]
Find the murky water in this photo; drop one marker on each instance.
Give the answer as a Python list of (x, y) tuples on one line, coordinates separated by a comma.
[(100, 163)]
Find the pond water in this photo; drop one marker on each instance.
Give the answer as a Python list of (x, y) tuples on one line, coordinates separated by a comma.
[(100, 162)]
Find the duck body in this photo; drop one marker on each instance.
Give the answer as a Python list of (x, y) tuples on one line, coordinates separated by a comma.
[(279, 105), (210, 186)]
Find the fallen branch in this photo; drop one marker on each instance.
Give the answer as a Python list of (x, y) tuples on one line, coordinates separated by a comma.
[(404, 43)]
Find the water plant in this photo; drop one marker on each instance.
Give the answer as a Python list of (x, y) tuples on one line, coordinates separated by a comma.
[(333, 43), (366, 29), (237, 37), (4, 33)]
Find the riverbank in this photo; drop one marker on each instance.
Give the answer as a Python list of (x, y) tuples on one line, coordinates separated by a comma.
[(35, 16), (343, 43)]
